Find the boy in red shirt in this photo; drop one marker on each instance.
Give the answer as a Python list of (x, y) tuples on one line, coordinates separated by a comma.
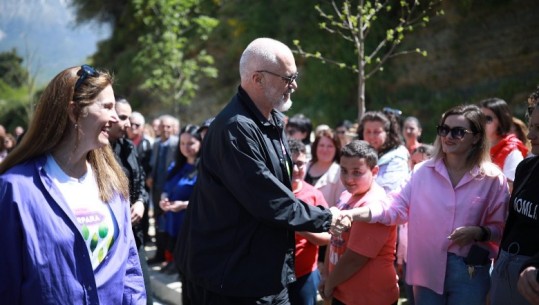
[(303, 291), (361, 269)]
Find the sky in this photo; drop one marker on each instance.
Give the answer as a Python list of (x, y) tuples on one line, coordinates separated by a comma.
[(46, 37)]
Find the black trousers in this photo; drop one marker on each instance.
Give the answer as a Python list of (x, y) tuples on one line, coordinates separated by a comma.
[(201, 296)]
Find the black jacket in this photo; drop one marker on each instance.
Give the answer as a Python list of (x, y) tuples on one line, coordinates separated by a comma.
[(126, 155), (144, 151), (522, 224), (238, 234)]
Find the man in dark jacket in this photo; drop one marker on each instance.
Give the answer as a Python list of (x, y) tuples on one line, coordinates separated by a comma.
[(238, 234), (126, 155)]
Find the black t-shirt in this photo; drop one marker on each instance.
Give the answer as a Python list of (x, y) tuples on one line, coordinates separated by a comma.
[(521, 233)]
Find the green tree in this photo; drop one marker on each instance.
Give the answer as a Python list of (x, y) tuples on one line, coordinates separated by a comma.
[(16, 90), (173, 66), (355, 22), (156, 50), (12, 71)]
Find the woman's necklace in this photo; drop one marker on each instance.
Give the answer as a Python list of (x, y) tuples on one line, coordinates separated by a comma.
[(455, 175), (78, 173)]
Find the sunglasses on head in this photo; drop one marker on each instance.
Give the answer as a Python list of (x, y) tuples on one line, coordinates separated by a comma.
[(456, 132), (83, 73), (391, 111)]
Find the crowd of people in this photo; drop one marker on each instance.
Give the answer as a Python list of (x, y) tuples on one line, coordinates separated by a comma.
[(254, 207)]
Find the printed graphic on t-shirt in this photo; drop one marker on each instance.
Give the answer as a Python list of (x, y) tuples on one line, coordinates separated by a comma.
[(525, 208), (97, 229)]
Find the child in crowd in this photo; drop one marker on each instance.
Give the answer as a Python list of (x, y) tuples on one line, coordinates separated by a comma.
[(303, 291), (421, 153), (361, 269)]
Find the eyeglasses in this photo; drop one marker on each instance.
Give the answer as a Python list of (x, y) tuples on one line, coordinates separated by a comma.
[(299, 164), (421, 150), (456, 132), (288, 79), (291, 131), (489, 118), (84, 72)]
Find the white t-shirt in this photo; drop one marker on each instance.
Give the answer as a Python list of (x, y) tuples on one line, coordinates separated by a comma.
[(97, 224), (510, 164)]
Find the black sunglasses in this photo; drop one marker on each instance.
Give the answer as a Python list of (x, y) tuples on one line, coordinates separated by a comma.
[(84, 72), (456, 132), (288, 79)]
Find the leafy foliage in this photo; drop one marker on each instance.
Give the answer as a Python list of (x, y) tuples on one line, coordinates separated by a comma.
[(156, 50), (172, 65), (12, 72), (354, 21)]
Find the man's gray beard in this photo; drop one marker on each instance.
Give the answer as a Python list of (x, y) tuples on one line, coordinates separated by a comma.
[(285, 106)]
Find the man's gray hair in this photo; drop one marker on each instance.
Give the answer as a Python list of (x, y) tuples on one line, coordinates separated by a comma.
[(138, 116), (261, 53)]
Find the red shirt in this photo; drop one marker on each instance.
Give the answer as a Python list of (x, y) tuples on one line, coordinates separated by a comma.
[(307, 253)]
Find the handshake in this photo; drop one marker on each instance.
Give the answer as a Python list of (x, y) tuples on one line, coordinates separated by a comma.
[(340, 222)]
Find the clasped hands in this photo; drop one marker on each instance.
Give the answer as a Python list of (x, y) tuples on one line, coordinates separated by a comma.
[(341, 221)]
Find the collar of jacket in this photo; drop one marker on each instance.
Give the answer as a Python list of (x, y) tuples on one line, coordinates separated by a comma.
[(246, 100)]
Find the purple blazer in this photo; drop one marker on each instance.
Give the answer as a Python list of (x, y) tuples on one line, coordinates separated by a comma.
[(44, 259)]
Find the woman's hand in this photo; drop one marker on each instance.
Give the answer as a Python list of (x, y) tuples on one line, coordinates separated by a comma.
[(463, 236), (528, 285), (341, 222), (176, 206), (164, 204), (137, 211)]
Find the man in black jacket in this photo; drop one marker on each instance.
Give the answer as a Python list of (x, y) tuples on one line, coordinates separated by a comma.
[(238, 236), (126, 155)]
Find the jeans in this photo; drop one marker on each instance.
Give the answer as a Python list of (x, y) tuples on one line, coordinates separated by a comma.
[(504, 279), (303, 290), (459, 288)]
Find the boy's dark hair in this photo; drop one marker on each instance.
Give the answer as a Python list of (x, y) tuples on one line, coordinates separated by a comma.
[(303, 124), (361, 149), (296, 146)]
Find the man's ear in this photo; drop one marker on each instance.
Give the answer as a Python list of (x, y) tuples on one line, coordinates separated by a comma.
[(257, 78)]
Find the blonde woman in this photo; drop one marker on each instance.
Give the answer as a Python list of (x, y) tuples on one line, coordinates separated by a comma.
[(455, 204)]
